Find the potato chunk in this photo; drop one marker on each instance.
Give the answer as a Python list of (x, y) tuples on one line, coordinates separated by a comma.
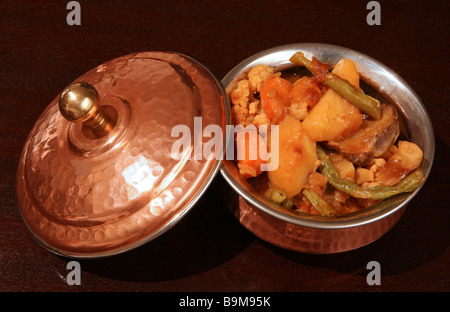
[(297, 158), (332, 117), (346, 69), (410, 154), (363, 175), (344, 167)]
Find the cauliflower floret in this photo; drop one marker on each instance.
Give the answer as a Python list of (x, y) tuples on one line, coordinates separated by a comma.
[(240, 115), (261, 120), (254, 108), (258, 75), (377, 163), (246, 108), (240, 100), (299, 110), (240, 96)]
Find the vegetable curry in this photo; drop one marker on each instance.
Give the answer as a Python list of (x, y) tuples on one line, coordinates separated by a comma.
[(340, 150)]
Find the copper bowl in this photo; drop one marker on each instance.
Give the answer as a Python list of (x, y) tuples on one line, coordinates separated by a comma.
[(317, 234)]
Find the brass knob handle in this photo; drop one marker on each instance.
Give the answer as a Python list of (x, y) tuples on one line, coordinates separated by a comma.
[(79, 102)]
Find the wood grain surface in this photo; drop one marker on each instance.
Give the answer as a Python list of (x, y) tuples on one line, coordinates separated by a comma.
[(209, 250)]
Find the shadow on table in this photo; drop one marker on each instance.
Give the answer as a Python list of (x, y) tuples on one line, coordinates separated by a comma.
[(421, 235), (206, 237)]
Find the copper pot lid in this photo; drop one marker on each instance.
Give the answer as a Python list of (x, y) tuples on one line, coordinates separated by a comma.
[(103, 170)]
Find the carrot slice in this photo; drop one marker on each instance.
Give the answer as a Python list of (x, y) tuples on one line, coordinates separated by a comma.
[(307, 90), (274, 97)]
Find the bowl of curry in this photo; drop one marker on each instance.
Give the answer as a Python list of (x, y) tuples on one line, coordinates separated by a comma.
[(330, 146)]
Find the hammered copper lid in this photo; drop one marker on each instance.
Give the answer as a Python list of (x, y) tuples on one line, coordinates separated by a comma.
[(103, 179)]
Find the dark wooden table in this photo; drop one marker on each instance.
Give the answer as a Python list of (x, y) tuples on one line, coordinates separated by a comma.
[(209, 250)]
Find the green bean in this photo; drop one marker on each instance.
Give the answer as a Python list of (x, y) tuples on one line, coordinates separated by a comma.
[(277, 196), (319, 203), (364, 102), (408, 184), (300, 59)]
